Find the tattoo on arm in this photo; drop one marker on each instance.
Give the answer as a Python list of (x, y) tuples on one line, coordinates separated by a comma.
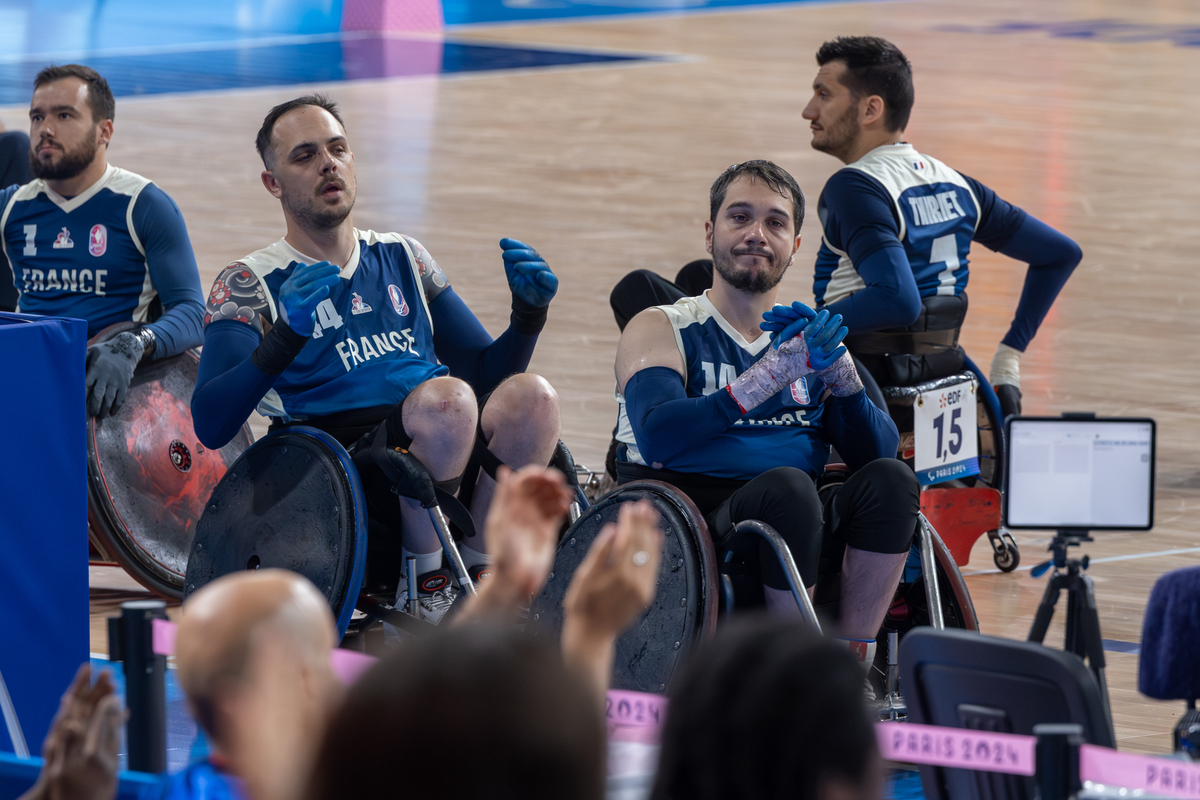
[(238, 294), (433, 280)]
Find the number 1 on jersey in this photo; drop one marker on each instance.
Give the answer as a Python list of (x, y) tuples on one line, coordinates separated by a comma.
[(945, 250)]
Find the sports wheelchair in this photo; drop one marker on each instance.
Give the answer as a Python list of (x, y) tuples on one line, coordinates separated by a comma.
[(148, 476), (697, 585), (294, 500), (925, 359)]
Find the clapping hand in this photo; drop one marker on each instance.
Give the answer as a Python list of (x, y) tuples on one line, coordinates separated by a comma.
[(521, 534), (615, 583)]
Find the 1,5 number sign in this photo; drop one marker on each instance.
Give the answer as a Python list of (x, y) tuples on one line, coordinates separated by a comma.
[(946, 443)]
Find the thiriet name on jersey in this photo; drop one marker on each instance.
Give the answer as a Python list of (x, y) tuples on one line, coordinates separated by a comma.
[(352, 352)]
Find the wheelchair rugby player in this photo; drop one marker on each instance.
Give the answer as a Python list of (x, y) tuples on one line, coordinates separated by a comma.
[(742, 421), (360, 335)]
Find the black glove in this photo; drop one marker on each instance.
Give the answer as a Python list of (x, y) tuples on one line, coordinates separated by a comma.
[(1010, 400), (110, 367)]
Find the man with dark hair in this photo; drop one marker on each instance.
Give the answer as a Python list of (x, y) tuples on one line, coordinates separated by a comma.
[(898, 227), (88, 240), (521, 723), (357, 332), (767, 708), (742, 422)]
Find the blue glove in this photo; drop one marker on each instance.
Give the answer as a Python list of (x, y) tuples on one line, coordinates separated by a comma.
[(824, 335), (786, 321), (529, 276), (303, 292)]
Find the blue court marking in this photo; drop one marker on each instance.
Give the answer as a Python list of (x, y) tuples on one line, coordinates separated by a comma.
[(344, 58), (1100, 30), (472, 12), (1117, 646)]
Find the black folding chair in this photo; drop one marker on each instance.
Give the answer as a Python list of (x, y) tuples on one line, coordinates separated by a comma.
[(959, 679)]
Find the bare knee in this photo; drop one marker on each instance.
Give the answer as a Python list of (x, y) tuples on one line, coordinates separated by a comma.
[(525, 400), (441, 407)]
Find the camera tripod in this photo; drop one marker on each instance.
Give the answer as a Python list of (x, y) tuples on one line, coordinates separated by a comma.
[(1083, 620)]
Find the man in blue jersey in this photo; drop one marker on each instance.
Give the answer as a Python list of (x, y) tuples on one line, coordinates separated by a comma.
[(898, 227), (360, 333), (92, 241), (743, 423)]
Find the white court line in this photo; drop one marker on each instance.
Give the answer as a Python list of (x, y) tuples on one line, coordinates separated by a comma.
[(1091, 561)]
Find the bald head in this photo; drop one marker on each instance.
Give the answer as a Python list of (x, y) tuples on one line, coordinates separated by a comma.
[(223, 622)]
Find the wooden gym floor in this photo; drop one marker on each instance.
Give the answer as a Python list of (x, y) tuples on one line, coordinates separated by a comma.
[(1084, 123)]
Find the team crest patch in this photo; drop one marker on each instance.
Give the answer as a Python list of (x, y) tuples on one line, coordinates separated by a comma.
[(97, 240), (800, 392), (397, 300), (63, 241), (358, 305)]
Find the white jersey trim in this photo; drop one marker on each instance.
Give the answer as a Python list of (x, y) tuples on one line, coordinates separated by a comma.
[(686, 311)]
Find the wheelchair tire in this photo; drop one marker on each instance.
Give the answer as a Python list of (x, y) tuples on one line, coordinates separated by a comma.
[(685, 604), (148, 476), (292, 501)]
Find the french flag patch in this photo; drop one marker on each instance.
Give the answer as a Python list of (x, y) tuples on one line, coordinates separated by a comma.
[(918, 165)]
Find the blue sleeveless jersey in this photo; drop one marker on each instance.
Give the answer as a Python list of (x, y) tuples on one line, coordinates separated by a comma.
[(86, 257), (935, 208), (373, 339), (784, 431)]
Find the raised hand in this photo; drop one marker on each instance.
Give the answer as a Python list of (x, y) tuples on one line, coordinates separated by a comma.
[(80, 752), (786, 321), (521, 534), (303, 292), (615, 583), (529, 276)]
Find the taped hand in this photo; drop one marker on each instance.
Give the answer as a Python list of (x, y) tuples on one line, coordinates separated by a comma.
[(529, 276), (303, 292), (110, 367)]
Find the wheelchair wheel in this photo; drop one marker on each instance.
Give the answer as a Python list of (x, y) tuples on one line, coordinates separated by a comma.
[(292, 501), (148, 476), (685, 605)]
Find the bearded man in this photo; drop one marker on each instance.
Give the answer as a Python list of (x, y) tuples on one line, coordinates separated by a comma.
[(742, 421), (92, 241)]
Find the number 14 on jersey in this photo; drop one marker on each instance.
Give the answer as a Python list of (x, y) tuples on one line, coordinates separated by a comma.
[(944, 427)]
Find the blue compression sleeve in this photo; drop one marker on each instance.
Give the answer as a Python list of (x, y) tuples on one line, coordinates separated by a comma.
[(468, 351), (666, 422), (228, 386), (859, 430), (1051, 257), (164, 237), (890, 299)]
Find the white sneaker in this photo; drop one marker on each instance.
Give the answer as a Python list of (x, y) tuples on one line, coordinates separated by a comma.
[(431, 607)]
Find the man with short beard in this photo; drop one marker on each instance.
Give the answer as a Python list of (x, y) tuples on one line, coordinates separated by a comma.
[(91, 241), (898, 227), (360, 334), (742, 422)]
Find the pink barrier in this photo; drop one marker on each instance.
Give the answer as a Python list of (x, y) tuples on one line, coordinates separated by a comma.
[(346, 664), (1150, 774), (956, 747), (634, 716)]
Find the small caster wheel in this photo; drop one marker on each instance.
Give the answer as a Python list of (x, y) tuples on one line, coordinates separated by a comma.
[(1007, 557)]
